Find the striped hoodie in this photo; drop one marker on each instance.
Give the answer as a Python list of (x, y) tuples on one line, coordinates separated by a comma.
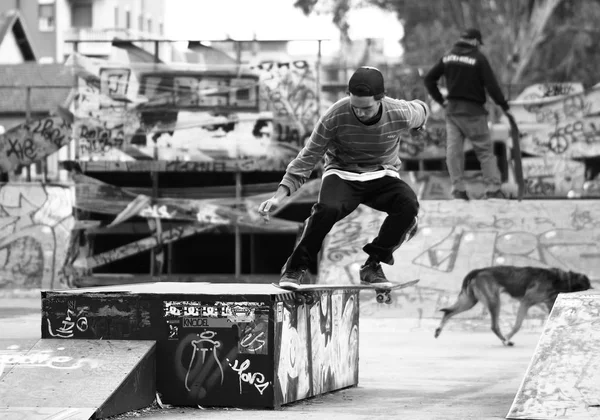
[(349, 145)]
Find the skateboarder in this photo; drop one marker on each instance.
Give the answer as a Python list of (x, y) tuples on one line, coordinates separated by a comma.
[(359, 138), (468, 75)]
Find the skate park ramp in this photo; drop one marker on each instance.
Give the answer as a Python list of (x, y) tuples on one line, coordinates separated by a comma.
[(563, 377), (74, 379), (455, 237)]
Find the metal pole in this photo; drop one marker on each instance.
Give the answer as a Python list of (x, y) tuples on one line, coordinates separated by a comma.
[(76, 88), (154, 177), (238, 236), (27, 120)]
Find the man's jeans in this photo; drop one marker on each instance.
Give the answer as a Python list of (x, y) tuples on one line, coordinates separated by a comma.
[(475, 128)]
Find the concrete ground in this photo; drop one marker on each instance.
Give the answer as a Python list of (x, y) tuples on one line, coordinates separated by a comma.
[(405, 373)]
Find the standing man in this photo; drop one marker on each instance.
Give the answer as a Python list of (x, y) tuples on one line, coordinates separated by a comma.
[(359, 138), (468, 75)]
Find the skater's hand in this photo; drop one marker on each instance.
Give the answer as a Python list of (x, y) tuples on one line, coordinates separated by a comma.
[(272, 203), (268, 206), (416, 133)]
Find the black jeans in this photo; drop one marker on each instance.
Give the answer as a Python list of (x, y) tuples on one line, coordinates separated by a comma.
[(338, 198)]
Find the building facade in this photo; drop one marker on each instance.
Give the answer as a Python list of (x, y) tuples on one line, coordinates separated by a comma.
[(54, 24)]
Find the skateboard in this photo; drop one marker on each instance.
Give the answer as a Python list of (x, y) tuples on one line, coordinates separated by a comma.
[(306, 293), (516, 156)]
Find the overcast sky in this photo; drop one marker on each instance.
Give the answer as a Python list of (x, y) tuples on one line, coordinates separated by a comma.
[(272, 19)]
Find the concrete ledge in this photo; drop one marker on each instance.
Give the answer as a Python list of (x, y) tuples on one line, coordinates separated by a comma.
[(221, 345)]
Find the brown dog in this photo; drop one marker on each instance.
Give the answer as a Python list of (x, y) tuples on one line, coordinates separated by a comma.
[(530, 285)]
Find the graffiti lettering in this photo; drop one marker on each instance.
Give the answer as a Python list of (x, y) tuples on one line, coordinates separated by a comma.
[(548, 90), (50, 133), (257, 379), (100, 139), (287, 134), (235, 311), (69, 324), (556, 89), (189, 166), (24, 149), (157, 212), (540, 186), (270, 65), (571, 107), (253, 341), (114, 81), (44, 359)]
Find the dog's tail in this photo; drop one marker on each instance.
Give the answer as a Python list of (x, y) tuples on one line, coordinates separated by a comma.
[(466, 295), (466, 300)]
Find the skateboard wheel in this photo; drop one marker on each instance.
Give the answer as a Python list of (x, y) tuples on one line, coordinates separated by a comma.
[(388, 299), (380, 298), (309, 299), (300, 300)]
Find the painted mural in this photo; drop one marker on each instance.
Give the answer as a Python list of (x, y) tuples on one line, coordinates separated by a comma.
[(558, 124), (35, 231), (219, 349), (562, 378), (452, 240), (192, 114), (219, 344), (319, 346), (289, 90)]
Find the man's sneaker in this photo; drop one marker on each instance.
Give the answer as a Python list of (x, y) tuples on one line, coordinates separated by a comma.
[(460, 195), (372, 274), (292, 278), (495, 194)]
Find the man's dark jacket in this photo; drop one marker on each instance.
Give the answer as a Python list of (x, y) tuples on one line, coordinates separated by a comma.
[(468, 75)]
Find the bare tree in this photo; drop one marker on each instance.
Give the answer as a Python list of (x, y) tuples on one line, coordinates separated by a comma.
[(527, 41)]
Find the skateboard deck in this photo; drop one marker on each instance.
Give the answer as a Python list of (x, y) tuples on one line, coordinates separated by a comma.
[(516, 157), (383, 294)]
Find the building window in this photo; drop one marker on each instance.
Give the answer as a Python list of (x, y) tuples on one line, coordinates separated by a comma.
[(149, 28), (128, 19), (81, 15), (46, 20), (116, 17)]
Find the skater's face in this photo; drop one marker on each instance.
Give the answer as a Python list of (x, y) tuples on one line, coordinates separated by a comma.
[(364, 107)]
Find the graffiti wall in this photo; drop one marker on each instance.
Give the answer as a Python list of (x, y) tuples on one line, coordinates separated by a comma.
[(220, 351), (559, 124), (456, 237), (36, 224), (563, 377), (289, 90), (152, 112), (222, 345), (319, 346)]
